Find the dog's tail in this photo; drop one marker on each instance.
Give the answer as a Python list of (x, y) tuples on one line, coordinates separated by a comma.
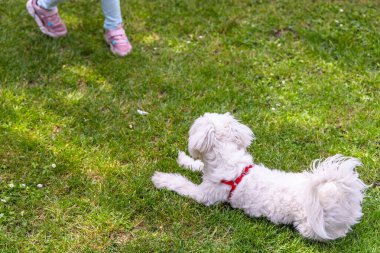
[(334, 196)]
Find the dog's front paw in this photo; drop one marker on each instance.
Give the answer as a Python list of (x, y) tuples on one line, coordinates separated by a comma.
[(187, 162), (160, 179), (182, 158)]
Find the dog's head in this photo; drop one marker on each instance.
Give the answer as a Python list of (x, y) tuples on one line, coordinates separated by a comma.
[(212, 131)]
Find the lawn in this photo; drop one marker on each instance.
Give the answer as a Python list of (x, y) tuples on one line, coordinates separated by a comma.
[(76, 158)]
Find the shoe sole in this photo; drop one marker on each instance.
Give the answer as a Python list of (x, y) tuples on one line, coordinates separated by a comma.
[(43, 29), (113, 51)]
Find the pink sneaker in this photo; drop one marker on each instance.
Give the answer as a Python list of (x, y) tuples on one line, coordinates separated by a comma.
[(118, 41), (48, 20)]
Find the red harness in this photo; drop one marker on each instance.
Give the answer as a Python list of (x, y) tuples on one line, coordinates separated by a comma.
[(235, 183)]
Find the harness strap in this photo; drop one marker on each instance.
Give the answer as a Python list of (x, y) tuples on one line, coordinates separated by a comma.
[(235, 182)]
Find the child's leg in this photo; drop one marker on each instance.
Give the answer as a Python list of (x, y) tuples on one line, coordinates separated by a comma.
[(48, 4), (45, 13), (115, 34), (112, 14)]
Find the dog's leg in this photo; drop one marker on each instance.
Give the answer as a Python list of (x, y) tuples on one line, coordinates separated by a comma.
[(187, 162), (184, 187)]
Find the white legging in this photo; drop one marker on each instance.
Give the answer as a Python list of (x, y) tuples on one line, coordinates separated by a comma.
[(111, 10)]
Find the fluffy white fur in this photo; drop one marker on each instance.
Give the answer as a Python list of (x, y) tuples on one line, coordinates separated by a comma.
[(322, 203)]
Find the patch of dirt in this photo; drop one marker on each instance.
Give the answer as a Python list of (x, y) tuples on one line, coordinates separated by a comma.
[(121, 237), (278, 33)]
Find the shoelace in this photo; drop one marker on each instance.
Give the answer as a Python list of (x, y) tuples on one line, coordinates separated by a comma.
[(51, 19), (118, 36)]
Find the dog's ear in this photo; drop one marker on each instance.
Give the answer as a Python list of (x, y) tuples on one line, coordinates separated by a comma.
[(241, 134), (201, 138)]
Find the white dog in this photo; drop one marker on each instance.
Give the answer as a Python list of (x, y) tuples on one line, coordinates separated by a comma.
[(322, 204)]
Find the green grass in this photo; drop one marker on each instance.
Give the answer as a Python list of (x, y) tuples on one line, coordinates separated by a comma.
[(304, 75)]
